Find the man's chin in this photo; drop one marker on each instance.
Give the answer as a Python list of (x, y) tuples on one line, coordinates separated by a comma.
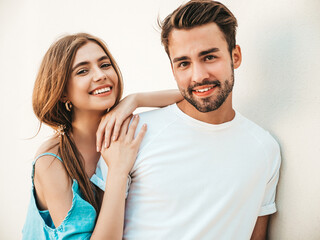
[(205, 109)]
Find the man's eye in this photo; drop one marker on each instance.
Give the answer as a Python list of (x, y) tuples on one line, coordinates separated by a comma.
[(209, 57), (183, 64), (105, 65)]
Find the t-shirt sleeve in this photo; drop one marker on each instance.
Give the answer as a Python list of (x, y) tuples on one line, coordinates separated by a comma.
[(268, 205), (99, 178)]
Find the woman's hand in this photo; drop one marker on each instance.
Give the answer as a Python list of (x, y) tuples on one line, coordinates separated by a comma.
[(121, 154), (112, 121), (120, 157)]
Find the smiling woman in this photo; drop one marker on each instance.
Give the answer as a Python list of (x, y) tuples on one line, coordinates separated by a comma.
[(77, 84), (92, 79)]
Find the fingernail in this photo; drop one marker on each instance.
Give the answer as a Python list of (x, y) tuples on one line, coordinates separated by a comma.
[(113, 138), (98, 150), (105, 145)]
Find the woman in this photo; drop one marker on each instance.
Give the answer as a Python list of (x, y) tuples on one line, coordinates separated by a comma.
[(78, 82)]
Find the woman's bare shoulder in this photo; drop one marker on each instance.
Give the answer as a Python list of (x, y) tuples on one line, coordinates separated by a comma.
[(49, 146), (50, 176), (48, 168)]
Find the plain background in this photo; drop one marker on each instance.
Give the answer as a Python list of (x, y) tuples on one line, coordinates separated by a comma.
[(277, 86)]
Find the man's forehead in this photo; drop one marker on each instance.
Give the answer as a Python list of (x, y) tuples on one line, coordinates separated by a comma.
[(195, 40)]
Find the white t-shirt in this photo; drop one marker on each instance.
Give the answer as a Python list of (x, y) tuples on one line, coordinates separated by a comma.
[(194, 180)]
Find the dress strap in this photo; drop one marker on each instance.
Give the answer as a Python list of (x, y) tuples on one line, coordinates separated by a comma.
[(39, 156), (47, 153)]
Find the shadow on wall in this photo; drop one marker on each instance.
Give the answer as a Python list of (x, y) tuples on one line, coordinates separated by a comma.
[(284, 66), (287, 88), (276, 79)]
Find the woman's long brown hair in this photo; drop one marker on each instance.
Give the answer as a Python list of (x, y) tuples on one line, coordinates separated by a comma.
[(48, 105)]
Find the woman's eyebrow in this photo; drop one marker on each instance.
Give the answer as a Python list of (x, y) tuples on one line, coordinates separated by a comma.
[(103, 58), (79, 64), (86, 62)]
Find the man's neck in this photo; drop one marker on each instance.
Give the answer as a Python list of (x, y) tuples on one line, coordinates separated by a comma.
[(224, 113)]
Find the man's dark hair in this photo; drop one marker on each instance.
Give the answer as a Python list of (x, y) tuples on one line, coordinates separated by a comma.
[(199, 12)]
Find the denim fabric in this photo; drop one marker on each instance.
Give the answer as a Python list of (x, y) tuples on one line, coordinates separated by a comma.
[(78, 224)]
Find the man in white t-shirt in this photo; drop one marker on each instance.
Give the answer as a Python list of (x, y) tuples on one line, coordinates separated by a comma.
[(203, 170)]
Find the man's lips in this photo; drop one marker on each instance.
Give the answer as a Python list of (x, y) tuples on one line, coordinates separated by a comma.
[(204, 90)]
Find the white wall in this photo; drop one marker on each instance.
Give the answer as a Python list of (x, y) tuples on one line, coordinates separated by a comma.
[(277, 86)]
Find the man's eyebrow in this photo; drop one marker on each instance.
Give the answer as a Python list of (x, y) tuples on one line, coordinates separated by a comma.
[(211, 50), (86, 62), (205, 52), (178, 59)]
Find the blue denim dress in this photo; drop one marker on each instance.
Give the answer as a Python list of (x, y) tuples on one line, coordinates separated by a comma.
[(78, 224)]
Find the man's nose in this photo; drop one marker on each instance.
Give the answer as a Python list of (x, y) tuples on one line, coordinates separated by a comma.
[(199, 72)]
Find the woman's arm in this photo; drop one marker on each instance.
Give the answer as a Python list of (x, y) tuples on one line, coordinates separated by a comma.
[(53, 188), (157, 99), (111, 122), (111, 217), (120, 157)]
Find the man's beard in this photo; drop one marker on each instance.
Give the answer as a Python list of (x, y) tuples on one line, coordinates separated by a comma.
[(211, 103)]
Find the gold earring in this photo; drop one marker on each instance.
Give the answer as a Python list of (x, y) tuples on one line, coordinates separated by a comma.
[(68, 105)]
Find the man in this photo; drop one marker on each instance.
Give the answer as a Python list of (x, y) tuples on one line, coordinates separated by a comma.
[(203, 170)]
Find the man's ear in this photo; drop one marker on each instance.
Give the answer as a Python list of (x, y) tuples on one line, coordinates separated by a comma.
[(236, 56)]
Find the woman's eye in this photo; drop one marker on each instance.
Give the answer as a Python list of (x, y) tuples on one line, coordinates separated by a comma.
[(82, 71), (105, 65)]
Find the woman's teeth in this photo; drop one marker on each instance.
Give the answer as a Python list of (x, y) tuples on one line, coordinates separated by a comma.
[(101, 90)]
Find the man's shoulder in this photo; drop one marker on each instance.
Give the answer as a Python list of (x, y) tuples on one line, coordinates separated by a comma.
[(264, 143), (158, 118), (155, 113), (261, 135), (158, 122)]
